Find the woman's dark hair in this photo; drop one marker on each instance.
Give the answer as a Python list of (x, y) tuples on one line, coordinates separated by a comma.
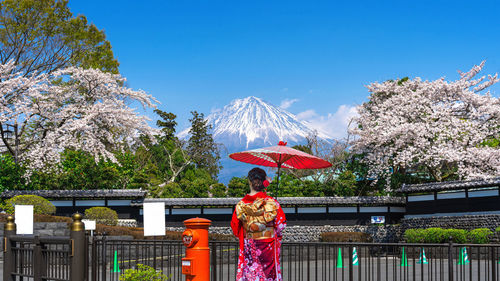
[(257, 176)]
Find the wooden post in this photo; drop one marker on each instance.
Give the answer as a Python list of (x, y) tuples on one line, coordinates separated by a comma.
[(38, 263), (77, 240), (8, 261)]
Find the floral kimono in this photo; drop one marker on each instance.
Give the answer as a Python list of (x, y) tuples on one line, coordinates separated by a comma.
[(258, 222)]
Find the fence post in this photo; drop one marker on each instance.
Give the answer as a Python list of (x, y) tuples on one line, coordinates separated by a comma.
[(450, 259), (493, 264), (214, 261), (94, 258), (78, 251), (37, 259), (349, 254), (8, 258)]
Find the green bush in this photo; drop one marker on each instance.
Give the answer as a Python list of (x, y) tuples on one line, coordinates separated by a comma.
[(458, 235), (143, 273), (41, 206), (102, 215), (435, 235), (497, 229), (480, 235), (439, 235), (345, 237), (414, 235)]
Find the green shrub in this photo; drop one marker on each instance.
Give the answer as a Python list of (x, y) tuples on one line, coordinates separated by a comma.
[(497, 229), (143, 273), (414, 235), (102, 215), (345, 237), (458, 235), (480, 235), (41, 206), (434, 235)]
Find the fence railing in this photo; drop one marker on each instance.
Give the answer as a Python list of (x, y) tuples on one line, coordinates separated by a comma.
[(30, 257), (312, 261), (79, 258), (41, 258)]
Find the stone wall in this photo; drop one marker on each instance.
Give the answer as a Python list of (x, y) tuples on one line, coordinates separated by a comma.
[(461, 222), (46, 229), (380, 234), (312, 233)]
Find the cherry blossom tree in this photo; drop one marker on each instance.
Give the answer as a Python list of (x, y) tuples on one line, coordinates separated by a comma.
[(439, 126), (76, 108)]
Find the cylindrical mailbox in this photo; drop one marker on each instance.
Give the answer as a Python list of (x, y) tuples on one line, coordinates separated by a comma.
[(196, 264)]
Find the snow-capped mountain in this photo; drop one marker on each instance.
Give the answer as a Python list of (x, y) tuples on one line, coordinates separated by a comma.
[(251, 122)]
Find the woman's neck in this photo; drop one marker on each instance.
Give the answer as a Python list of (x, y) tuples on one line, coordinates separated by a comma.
[(253, 192)]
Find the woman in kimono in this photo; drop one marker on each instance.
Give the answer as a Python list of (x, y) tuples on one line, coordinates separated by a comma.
[(258, 222)]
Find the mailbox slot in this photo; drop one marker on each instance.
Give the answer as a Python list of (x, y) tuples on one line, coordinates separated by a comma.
[(187, 266)]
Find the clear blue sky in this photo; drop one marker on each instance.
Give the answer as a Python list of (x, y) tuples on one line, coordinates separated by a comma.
[(200, 55)]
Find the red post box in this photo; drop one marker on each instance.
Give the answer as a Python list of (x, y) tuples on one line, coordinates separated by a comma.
[(196, 264)]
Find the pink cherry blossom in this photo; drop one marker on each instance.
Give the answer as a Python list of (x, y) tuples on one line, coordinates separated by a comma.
[(431, 124)]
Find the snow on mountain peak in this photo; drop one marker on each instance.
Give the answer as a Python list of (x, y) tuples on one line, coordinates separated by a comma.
[(251, 122)]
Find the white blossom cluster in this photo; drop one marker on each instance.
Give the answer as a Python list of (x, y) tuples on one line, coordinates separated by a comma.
[(83, 109), (431, 124)]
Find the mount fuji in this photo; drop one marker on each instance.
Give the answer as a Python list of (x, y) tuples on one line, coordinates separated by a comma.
[(250, 123)]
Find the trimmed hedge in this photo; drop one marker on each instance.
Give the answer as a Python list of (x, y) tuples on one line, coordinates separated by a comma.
[(40, 218), (138, 233), (102, 215), (439, 235), (345, 237), (41, 206), (480, 236)]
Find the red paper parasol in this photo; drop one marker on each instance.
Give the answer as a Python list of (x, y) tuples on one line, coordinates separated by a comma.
[(280, 156)]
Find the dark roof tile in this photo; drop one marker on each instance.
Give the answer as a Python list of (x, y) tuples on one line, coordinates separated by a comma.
[(367, 200), (449, 185), (102, 193)]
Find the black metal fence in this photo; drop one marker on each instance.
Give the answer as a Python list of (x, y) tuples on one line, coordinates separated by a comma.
[(311, 261), (79, 258), (41, 258)]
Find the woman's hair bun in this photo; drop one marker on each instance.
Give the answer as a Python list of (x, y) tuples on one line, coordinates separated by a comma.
[(257, 176)]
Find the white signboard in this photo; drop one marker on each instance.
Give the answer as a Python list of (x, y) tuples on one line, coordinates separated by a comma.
[(154, 219), (23, 215), (378, 219), (89, 224)]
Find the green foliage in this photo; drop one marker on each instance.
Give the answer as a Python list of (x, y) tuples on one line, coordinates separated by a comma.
[(480, 235), (167, 125), (80, 171), (11, 174), (303, 148), (434, 235), (439, 235), (414, 235), (102, 215), (196, 183), (238, 187), (497, 229), (43, 36), (143, 273), (457, 235), (218, 190), (345, 184), (41, 206), (201, 146)]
